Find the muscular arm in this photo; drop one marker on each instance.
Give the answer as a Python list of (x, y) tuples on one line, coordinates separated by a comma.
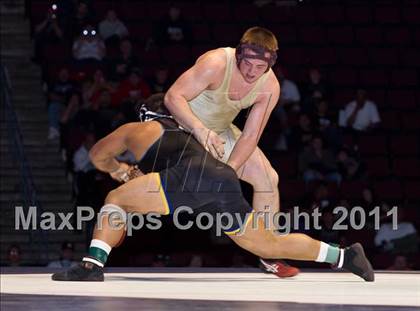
[(103, 153), (189, 85), (255, 124)]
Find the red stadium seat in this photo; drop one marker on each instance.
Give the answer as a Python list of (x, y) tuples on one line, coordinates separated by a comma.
[(352, 189), (374, 78), (330, 14), (369, 35), (293, 56), (141, 32), (353, 56), (387, 15), (384, 56), (312, 35), (217, 12), (404, 145), (411, 14), (323, 56), (377, 167), (190, 10), (343, 76), (226, 34), (372, 145), (284, 165), (39, 9), (176, 54), (284, 33), (402, 100), (378, 96), (358, 14), (409, 57), (411, 121), (134, 11), (406, 167), (390, 120), (398, 36), (342, 98), (305, 15), (388, 190), (411, 190), (245, 13), (404, 77), (198, 50), (292, 190), (340, 35), (276, 15), (201, 33), (158, 10)]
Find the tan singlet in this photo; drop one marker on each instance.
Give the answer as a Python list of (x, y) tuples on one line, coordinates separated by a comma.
[(217, 111)]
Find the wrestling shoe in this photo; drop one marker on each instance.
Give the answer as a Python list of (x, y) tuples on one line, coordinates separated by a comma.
[(355, 261), (278, 267), (84, 271)]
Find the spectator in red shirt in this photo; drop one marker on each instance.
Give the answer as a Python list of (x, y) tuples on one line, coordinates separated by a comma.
[(131, 90)]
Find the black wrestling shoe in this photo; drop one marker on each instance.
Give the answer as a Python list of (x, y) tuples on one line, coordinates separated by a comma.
[(84, 271), (355, 261)]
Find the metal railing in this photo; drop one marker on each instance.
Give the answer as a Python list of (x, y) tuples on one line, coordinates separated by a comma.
[(38, 238)]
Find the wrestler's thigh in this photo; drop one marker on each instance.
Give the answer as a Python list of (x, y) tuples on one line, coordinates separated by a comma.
[(257, 167), (143, 195)]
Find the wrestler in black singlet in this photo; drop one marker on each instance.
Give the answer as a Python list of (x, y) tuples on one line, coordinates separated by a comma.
[(190, 176)]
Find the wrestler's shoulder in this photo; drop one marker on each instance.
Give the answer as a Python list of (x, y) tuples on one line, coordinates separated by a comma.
[(272, 83), (216, 57)]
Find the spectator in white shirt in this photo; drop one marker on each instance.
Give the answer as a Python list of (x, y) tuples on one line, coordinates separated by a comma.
[(112, 29), (360, 114), (81, 160), (289, 95), (89, 46)]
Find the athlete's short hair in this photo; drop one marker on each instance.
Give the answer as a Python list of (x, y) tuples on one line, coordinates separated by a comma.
[(260, 36)]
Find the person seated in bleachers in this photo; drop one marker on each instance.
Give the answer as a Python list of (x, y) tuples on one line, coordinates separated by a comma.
[(66, 258), (89, 47), (112, 29), (50, 30), (14, 256), (349, 165), (400, 263), (289, 95), (360, 114), (160, 83), (400, 237), (315, 89), (325, 122), (173, 29), (318, 163), (120, 67), (59, 95), (301, 135), (82, 18)]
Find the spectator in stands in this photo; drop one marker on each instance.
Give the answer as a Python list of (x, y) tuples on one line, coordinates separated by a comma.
[(318, 163), (131, 91), (121, 66), (59, 95), (81, 160), (314, 90), (111, 29), (360, 114), (160, 80), (289, 95), (66, 257), (401, 238), (302, 134), (173, 29), (82, 18), (325, 122), (161, 260), (99, 86), (89, 47), (349, 165), (14, 256), (49, 31), (196, 261)]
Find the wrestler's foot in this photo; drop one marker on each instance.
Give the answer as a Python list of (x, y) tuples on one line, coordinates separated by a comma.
[(84, 271), (278, 267), (355, 261)]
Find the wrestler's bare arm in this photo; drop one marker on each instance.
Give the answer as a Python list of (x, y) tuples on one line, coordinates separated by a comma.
[(207, 73), (255, 123)]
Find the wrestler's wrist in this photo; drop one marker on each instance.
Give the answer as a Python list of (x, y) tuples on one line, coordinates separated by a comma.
[(119, 169)]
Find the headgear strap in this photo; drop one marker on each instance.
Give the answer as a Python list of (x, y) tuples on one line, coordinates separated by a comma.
[(260, 53), (147, 115)]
